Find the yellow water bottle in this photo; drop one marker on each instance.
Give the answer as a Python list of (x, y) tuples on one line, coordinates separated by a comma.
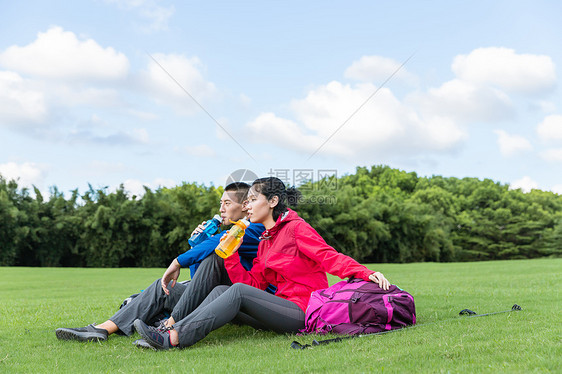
[(234, 236)]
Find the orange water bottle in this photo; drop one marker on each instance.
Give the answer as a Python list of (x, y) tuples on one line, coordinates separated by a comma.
[(234, 236)]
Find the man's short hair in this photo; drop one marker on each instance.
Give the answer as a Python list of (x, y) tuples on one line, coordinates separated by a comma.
[(240, 190)]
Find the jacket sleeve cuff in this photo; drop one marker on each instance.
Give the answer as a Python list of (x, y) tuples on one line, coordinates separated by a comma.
[(367, 273), (232, 260)]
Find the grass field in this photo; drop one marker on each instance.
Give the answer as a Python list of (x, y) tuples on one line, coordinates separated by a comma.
[(35, 301)]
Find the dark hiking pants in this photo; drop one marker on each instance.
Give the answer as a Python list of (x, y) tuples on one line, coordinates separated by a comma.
[(183, 298), (239, 303)]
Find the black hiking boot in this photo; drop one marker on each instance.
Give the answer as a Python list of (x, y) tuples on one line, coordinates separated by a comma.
[(82, 334)]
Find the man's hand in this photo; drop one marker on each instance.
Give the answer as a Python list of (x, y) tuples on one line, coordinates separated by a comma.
[(170, 276), (199, 229), (379, 279)]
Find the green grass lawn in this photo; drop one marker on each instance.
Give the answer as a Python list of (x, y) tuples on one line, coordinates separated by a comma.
[(35, 301)]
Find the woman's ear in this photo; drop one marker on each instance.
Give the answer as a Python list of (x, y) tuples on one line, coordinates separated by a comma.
[(273, 202)]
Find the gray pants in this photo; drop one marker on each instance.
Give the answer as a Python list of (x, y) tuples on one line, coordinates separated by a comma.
[(183, 298), (239, 303)]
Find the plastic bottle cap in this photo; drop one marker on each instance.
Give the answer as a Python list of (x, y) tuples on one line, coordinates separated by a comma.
[(242, 223), (218, 217)]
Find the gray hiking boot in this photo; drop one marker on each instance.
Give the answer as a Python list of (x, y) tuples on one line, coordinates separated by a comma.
[(82, 334), (156, 338)]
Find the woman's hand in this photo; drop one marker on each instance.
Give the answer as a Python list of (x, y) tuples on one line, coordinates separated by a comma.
[(237, 246), (379, 279), (225, 235), (170, 276)]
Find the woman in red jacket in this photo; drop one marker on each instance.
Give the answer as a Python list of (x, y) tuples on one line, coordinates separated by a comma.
[(292, 256)]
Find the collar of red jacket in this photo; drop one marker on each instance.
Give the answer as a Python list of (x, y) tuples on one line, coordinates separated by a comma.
[(282, 220)]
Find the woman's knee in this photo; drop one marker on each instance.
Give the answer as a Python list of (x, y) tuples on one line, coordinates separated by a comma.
[(240, 287), (218, 290), (233, 292)]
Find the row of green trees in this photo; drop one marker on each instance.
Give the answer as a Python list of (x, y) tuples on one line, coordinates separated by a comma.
[(388, 215), (100, 229), (375, 215)]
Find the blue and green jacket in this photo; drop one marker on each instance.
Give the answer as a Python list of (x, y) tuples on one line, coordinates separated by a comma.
[(247, 251)]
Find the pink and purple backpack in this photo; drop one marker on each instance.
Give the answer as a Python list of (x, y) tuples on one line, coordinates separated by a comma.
[(356, 306)]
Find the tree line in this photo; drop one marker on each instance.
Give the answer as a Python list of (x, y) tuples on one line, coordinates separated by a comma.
[(377, 214)]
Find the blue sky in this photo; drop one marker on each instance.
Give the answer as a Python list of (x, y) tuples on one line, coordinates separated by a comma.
[(98, 92)]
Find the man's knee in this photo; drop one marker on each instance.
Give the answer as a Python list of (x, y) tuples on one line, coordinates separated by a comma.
[(211, 261), (154, 285)]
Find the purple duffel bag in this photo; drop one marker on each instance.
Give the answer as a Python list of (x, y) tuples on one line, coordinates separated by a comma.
[(356, 306)]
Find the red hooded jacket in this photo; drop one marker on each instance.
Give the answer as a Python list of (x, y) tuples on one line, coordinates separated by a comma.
[(293, 257)]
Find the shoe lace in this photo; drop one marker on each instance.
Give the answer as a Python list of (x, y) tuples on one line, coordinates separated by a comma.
[(162, 326), (160, 329)]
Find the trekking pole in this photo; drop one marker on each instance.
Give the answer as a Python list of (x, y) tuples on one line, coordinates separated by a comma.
[(470, 313), (464, 312)]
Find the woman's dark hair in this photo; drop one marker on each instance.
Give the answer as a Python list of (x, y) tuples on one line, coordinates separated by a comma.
[(270, 187)]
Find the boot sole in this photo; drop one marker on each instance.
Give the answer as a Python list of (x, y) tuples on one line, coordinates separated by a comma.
[(68, 334), (141, 343)]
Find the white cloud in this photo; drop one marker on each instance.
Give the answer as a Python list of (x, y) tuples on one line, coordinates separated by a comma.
[(464, 102), (139, 136), (67, 96), (118, 138), (59, 78), (552, 155), (376, 69), (502, 67), (280, 131), (383, 126), (547, 106), (424, 122), (511, 145), (64, 72), (70, 78), (156, 15), (484, 78), (328, 108), (557, 189), (245, 100), (167, 78), (136, 187), (526, 184), (20, 100), (550, 129), (26, 174), (59, 54)]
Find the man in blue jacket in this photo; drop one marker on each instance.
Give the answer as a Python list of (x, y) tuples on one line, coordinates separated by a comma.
[(165, 295)]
